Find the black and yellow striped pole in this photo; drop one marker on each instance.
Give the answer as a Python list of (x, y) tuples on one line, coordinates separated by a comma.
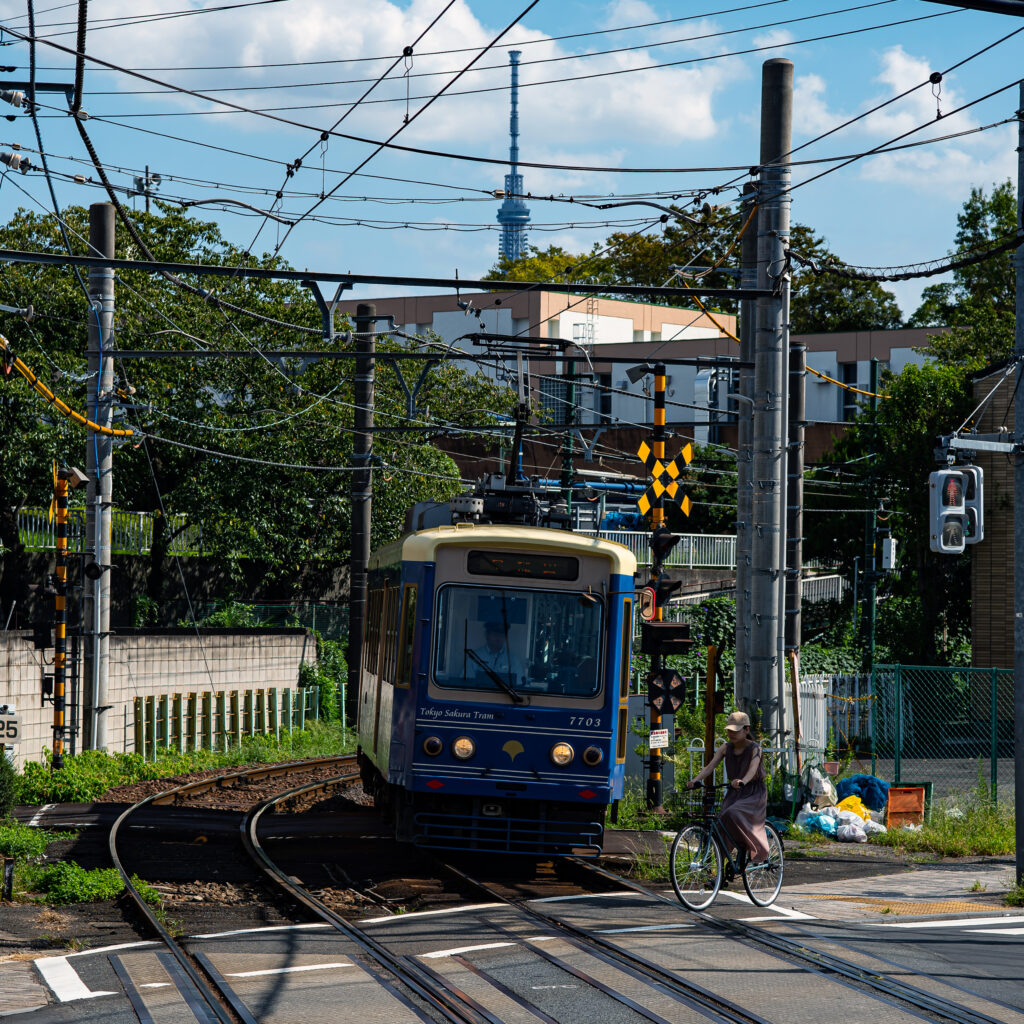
[(655, 794), (63, 480)]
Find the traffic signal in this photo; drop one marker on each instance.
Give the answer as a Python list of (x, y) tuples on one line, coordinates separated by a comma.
[(664, 588), (662, 542), (974, 526), (666, 691), (947, 511)]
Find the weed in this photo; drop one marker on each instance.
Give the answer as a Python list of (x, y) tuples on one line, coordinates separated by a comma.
[(961, 827), (977, 887), (24, 843), (886, 910), (91, 773), (8, 785), (648, 863), (66, 882), (1015, 897)]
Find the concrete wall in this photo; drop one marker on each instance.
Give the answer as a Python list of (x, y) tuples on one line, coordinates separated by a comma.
[(150, 662)]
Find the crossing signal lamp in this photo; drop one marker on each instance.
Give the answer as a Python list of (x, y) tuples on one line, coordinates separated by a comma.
[(662, 542), (664, 589), (947, 511), (666, 691), (974, 524)]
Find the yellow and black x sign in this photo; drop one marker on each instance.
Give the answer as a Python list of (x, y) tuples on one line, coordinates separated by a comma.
[(664, 477)]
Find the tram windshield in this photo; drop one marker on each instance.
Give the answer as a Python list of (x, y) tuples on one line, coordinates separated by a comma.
[(522, 642)]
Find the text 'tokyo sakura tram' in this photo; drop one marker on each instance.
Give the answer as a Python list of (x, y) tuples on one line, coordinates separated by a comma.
[(494, 677)]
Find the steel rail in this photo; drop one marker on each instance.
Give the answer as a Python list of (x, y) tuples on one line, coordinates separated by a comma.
[(823, 963), (207, 992), (696, 996), (458, 1011)]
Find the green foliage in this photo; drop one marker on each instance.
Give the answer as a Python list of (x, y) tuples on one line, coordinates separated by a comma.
[(979, 302), (67, 882), (329, 675), (893, 458), (1015, 897), (287, 414), (146, 891), (966, 826), (230, 615), (24, 843), (146, 611), (91, 773), (8, 785)]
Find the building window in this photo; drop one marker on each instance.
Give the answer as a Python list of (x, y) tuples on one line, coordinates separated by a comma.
[(553, 401), (848, 400)]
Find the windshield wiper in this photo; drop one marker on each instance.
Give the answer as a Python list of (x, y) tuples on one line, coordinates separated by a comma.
[(503, 683)]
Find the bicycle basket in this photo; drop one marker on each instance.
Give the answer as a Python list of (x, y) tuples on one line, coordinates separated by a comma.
[(699, 802)]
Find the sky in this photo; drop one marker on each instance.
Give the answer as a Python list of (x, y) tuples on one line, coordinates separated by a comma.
[(604, 86)]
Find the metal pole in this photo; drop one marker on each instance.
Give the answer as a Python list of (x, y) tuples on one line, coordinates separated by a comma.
[(654, 783), (769, 432), (1018, 520), (870, 554), (744, 432), (795, 498), (568, 441), (60, 648), (99, 468), (362, 494)]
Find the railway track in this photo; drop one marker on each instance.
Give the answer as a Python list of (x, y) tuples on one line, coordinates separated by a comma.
[(200, 985)]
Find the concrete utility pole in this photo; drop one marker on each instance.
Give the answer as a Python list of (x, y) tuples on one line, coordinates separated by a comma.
[(744, 432), (767, 669), (1018, 518), (99, 468), (795, 500), (362, 495)]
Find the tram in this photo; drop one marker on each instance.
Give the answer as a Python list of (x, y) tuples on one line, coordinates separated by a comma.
[(494, 678)]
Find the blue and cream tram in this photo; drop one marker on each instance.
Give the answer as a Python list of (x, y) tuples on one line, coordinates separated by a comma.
[(493, 686)]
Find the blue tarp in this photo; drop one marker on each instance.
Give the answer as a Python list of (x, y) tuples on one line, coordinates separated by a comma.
[(873, 791)]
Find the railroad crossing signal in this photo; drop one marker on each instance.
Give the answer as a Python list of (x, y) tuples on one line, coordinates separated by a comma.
[(665, 477), (666, 691)]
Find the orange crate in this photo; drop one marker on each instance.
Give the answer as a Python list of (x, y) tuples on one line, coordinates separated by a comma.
[(906, 806)]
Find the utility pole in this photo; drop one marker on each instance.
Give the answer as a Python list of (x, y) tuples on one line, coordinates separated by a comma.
[(770, 412), (362, 494), (871, 520), (744, 431), (568, 441), (795, 505), (99, 468), (1018, 518)]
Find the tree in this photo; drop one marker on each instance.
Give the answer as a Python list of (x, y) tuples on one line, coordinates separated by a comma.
[(820, 303), (893, 460), (281, 415), (979, 303)]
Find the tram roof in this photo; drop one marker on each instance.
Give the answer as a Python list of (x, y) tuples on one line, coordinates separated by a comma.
[(422, 546)]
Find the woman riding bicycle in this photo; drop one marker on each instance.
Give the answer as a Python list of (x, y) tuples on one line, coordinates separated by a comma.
[(746, 803)]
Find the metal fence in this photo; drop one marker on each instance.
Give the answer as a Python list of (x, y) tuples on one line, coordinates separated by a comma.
[(952, 727), (217, 720), (694, 550), (131, 533)]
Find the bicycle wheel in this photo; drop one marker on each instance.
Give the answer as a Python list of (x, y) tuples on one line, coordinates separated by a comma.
[(764, 881), (696, 867)]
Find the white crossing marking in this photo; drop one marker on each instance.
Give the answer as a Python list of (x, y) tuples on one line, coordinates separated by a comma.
[(429, 913), (111, 949), (963, 922), (584, 896), (35, 819), (776, 910), (266, 928), (286, 970), (643, 928), (63, 980), (996, 931), (457, 950)]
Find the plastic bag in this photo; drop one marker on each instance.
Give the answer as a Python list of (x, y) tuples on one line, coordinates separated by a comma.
[(872, 790), (872, 827), (849, 818), (855, 804), (822, 823), (851, 834), (805, 813), (831, 811)]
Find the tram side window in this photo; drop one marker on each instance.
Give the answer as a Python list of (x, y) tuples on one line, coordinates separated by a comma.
[(408, 636), (390, 633), (372, 630)]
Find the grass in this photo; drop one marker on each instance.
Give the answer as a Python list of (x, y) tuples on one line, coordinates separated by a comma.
[(24, 843), (90, 774), (1015, 897), (961, 827)]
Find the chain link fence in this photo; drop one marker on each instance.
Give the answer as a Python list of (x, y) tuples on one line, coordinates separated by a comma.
[(952, 727)]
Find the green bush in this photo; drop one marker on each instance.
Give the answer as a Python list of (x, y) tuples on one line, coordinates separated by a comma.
[(24, 843), (66, 882), (8, 786), (329, 675)]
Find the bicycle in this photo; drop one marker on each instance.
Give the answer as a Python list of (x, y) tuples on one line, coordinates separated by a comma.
[(700, 850)]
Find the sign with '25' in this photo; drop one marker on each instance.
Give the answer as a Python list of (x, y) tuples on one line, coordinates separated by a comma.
[(10, 729)]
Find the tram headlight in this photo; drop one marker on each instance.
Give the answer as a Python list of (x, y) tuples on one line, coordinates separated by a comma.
[(463, 748), (562, 754), (593, 756), (432, 746)]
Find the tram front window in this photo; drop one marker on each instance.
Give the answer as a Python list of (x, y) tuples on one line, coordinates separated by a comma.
[(522, 642)]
